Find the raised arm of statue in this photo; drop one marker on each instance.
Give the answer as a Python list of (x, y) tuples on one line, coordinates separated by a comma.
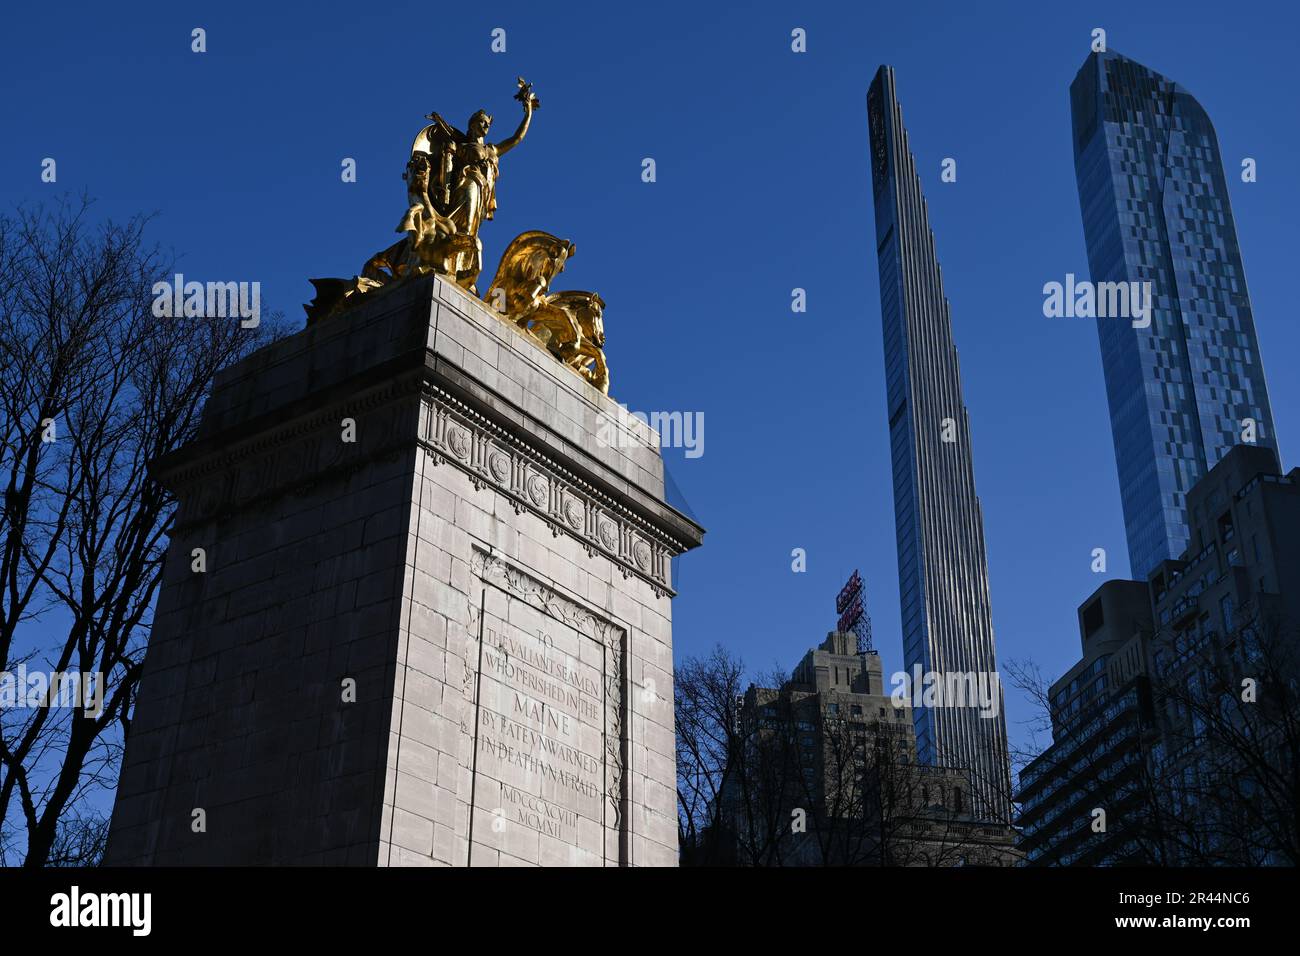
[(525, 96)]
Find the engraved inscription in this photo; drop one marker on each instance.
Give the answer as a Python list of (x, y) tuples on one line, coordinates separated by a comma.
[(540, 729)]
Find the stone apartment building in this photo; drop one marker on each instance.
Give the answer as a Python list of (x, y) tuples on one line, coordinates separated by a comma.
[(1185, 683), (1100, 709), (827, 772)]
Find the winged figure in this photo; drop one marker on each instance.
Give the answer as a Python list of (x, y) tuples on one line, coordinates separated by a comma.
[(451, 180)]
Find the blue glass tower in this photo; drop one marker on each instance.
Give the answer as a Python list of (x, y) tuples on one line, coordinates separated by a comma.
[(1155, 209), (942, 569)]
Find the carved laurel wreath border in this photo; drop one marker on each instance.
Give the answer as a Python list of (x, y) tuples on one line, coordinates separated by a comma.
[(514, 581), (452, 432)]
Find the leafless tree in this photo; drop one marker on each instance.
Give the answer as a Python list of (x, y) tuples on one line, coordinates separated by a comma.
[(705, 691), (1082, 758), (93, 387), (1156, 826), (80, 841), (793, 778), (1212, 780), (1228, 767)]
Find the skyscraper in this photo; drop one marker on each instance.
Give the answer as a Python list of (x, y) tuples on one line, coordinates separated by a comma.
[(1155, 209), (942, 570)]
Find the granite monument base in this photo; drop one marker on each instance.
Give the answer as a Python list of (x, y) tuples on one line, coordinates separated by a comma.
[(415, 610)]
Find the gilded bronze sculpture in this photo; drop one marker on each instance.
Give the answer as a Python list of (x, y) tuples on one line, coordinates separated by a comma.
[(451, 181), (570, 324), (524, 275)]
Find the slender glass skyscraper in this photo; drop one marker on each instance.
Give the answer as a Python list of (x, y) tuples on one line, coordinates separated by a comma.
[(1155, 209), (942, 570)]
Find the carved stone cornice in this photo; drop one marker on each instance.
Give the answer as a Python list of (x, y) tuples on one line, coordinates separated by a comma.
[(305, 450), (456, 434)]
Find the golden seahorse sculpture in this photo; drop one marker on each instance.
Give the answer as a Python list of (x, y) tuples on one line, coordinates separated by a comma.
[(570, 324)]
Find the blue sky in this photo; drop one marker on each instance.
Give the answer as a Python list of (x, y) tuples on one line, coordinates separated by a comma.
[(762, 186)]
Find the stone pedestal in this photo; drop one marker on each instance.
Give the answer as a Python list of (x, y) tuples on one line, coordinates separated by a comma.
[(447, 641)]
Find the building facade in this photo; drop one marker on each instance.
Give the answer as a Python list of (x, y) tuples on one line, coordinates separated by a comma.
[(1100, 710), (1188, 385), (826, 772), (1179, 720), (1225, 662), (942, 568)]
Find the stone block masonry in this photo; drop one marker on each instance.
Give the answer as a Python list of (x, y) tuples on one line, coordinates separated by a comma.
[(492, 580)]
